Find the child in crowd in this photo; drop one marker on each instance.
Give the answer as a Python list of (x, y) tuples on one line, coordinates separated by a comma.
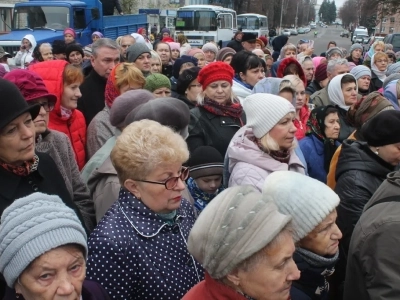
[(206, 167), (69, 36)]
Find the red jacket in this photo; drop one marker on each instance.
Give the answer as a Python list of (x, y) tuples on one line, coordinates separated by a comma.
[(74, 127), (211, 289), (301, 124)]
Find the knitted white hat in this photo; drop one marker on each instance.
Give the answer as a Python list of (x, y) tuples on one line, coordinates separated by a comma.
[(307, 200), (264, 111)]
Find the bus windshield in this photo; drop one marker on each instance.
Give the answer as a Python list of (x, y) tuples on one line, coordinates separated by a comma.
[(251, 22), (41, 17), (196, 20)]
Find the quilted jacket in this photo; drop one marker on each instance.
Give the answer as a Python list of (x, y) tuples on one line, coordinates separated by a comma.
[(74, 127), (249, 165)]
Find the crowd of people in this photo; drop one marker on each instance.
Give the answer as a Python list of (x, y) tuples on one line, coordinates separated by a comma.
[(145, 168)]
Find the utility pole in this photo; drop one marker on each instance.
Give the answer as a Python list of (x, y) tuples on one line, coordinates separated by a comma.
[(297, 11), (280, 24)]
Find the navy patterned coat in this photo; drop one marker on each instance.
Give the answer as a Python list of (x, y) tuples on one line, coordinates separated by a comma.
[(134, 254)]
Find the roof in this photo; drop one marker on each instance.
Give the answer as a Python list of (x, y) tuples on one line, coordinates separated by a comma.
[(207, 7), (252, 15)]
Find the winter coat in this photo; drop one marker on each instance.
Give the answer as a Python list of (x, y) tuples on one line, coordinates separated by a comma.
[(134, 254), (22, 59), (285, 63), (313, 150), (108, 7), (313, 87), (249, 165), (208, 129), (313, 284), (90, 291), (376, 83), (99, 157), (359, 173), (46, 179), (185, 100), (235, 45), (373, 270), (357, 63), (320, 98), (92, 100), (301, 124), (240, 91), (104, 187), (99, 131), (346, 129), (211, 289), (277, 44), (74, 127), (58, 146)]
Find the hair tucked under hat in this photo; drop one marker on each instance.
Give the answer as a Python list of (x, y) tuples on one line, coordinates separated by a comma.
[(236, 224), (393, 68), (73, 47), (320, 72), (360, 71), (155, 81), (70, 31), (308, 201), (205, 161), (32, 226), (224, 52), (176, 68), (58, 47), (135, 50), (215, 71), (332, 51), (264, 111), (382, 129), (210, 47), (186, 78), (355, 47)]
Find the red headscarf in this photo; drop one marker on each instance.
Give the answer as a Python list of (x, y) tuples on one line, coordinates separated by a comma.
[(111, 91)]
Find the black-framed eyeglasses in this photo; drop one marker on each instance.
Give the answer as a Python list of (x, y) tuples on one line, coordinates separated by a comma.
[(48, 106), (172, 182)]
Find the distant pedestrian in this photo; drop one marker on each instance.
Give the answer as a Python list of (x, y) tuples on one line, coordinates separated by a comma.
[(109, 5)]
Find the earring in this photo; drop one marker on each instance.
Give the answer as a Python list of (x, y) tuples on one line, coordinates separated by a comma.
[(377, 151), (17, 295)]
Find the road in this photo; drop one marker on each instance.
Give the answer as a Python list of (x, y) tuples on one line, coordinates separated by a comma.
[(325, 35)]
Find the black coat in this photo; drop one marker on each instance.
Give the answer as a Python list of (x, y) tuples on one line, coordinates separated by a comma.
[(207, 129), (313, 87), (185, 100), (235, 45), (359, 173), (92, 100), (345, 127), (376, 83), (108, 7)]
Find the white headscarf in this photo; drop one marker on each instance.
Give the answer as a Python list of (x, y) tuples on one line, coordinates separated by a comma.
[(380, 74), (335, 91)]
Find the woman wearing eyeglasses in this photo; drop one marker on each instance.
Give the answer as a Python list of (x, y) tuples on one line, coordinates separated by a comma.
[(53, 142), (379, 64), (138, 250)]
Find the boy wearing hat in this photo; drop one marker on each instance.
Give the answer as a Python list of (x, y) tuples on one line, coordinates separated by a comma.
[(206, 167)]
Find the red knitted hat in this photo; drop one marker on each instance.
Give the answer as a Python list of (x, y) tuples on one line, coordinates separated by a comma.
[(215, 71)]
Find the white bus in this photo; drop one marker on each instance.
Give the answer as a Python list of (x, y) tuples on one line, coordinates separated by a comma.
[(253, 23), (205, 23)]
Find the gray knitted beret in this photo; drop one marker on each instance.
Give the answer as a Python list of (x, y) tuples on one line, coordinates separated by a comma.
[(236, 224), (30, 227), (333, 50), (393, 68), (390, 78), (360, 71)]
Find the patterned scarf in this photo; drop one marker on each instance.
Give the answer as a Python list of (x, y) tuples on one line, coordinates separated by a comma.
[(111, 91), (282, 156), (316, 127), (201, 199), (233, 110), (25, 169)]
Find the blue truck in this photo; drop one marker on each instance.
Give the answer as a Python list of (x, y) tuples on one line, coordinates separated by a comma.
[(47, 19)]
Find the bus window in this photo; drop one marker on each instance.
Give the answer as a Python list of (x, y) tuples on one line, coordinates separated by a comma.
[(185, 20), (225, 21), (205, 20)]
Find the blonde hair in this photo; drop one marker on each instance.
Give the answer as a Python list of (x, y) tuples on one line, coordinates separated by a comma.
[(380, 43), (145, 145), (294, 80), (154, 55), (128, 74), (380, 55), (202, 95), (286, 48)]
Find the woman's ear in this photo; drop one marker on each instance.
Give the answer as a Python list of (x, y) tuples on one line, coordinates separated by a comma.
[(233, 278), (242, 76), (132, 187)]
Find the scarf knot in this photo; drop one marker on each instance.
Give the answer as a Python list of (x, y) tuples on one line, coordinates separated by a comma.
[(25, 169)]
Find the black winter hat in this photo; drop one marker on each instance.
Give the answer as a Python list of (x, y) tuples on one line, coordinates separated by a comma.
[(249, 37), (205, 161), (73, 47), (180, 61), (13, 104), (58, 47), (382, 129), (186, 78), (167, 111)]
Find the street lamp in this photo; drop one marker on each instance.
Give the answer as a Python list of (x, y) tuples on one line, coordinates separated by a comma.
[(280, 24)]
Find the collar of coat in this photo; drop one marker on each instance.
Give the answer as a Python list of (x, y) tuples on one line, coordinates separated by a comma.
[(145, 221)]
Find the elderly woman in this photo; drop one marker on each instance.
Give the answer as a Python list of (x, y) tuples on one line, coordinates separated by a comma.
[(63, 80), (361, 169), (302, 110), (312, 205), (219, 114), (22, 171), (123, 77), (266, 144), (53, 142), (158, 84), (153, 220), (379, 64), (155, 62), (43, 251), (320, 144), (343, 91), (254, 262), (248, 71)]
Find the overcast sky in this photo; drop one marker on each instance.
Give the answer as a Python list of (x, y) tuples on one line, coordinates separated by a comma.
[(339, 3)]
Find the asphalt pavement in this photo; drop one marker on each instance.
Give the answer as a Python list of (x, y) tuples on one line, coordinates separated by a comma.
[(325, 35)]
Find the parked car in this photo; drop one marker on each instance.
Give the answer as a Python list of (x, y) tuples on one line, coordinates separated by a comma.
[(361, 39), (313, 25), (323, 25), (293, 31), (286, 32), (301, 30), (394, 39), (345, 33), (307, 29)]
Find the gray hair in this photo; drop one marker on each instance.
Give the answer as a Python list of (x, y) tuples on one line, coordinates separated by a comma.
[(45, 45), (104, 42), (335, 62)]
